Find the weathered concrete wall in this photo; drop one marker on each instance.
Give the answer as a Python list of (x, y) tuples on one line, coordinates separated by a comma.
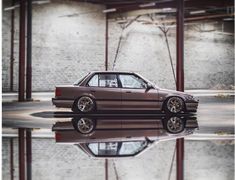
[(50, 161), (66, 47), (209, 56)]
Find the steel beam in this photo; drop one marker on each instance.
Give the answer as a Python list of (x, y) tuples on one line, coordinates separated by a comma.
[(21, 154), (22, 52), (106, 41), (12, 46), (12, 158), (29, 52), (106, 170), (180, 82), (29, 153)]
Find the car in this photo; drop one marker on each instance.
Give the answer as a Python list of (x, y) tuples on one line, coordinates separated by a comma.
[(114, 137), (125, 91)]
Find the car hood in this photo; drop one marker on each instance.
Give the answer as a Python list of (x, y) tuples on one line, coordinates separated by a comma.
[(174, 92)]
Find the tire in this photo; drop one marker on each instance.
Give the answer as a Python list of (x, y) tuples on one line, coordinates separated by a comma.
[(174, 105), (84, 125), (174, 125), (84, 104)]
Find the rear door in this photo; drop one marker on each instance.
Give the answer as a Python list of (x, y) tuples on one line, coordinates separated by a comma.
[(134, 94), (105, 88)]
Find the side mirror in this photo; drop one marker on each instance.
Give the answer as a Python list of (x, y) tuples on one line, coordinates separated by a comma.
[(149, 86)]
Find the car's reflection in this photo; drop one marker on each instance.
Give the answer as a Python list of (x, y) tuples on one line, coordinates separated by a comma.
[(121, 137)]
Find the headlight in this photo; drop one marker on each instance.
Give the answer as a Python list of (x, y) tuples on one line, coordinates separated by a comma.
[(189, 97)]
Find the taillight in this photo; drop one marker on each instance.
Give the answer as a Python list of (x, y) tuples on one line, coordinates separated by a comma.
[(57, 92), (57, 136)]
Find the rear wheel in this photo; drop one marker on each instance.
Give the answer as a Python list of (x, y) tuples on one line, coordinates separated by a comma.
[(84, 125), (174, 125), (174, 105), (84, 104)]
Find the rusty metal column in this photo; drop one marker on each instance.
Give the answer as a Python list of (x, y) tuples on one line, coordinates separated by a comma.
[(106, 170), (21, 154), (29, 153), (12, 46), (29, 52), (106, 41), (12, 158), (22, 52), (180, 82)]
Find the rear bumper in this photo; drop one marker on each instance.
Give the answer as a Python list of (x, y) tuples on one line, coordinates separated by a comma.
[(62, 103), (191, 106)]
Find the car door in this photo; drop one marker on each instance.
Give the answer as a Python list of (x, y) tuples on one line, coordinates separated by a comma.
[(105, 88), (134, 94)]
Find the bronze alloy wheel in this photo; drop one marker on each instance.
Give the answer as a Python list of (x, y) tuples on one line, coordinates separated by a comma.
[(85, 125), (175, 125), (175, 105), (85, 104)]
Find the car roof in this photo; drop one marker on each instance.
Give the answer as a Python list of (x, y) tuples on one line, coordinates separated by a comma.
[(125, 72)]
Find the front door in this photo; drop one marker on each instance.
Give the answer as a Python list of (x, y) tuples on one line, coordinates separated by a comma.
[(134, 94)]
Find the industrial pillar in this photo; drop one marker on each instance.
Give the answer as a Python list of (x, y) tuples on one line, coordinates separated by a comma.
[(12, 158), (22, 52), (21, 154), (12, 46), (106, 170), (29, 153), (106, 41), (180, 82), (29, 52)]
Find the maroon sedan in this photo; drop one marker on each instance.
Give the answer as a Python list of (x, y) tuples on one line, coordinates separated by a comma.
[(121, 91)]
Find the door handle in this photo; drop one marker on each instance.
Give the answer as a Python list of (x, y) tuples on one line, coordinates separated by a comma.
[(128, 91)]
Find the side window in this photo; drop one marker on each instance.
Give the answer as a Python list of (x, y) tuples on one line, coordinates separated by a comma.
[(108, 80), (94, 81), (132, 81), (103, 80)]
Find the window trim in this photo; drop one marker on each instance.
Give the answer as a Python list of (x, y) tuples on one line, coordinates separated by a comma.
[(131, 75), (118, 83)]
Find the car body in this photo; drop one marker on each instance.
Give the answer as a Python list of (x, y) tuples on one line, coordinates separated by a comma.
[(110, 133), (125, 91)]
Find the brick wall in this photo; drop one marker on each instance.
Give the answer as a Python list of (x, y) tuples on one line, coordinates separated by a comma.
[(66, 47), (50, 161)]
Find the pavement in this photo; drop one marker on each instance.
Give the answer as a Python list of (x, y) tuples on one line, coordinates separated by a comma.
[(215, 113)]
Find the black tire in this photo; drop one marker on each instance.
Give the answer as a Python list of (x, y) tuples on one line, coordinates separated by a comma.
[(174, 105), (174, 125), (84, 125), (87, 107)]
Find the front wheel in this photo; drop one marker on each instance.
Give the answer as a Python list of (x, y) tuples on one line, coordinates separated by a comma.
[(174, 105), (174, 125), (84, 104)]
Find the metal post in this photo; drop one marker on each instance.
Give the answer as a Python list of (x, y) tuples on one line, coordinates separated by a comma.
[(106, 170), (29, 153), (21, 154), (29, 52), (12, 158), (12, 46), (106, 41), (180, 82), (22, 52)]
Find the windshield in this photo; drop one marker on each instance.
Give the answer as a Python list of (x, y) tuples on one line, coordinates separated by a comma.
[(117, 148), (80, 80)]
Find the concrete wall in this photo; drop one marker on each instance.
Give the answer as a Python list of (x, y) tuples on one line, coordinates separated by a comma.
[(50, 161), (66, 47)]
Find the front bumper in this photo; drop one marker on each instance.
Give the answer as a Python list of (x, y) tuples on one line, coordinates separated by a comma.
[(191, 105), (63, 103)]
